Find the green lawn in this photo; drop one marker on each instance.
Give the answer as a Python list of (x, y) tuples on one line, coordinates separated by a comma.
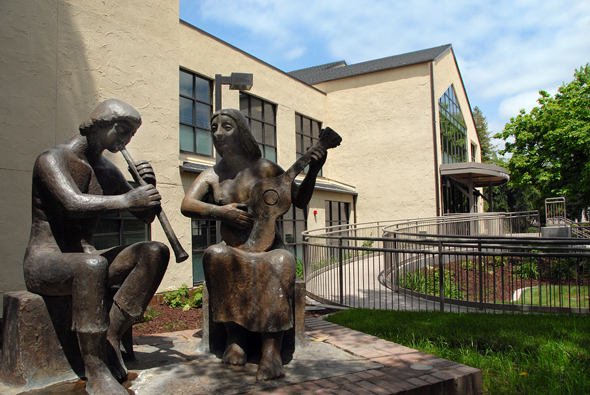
[(518, 353), (556, 296)]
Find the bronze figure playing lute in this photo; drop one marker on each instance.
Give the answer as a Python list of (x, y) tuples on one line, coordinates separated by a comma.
[(270, 198)]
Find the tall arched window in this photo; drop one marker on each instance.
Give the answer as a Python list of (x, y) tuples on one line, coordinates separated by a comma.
[(453, 132)]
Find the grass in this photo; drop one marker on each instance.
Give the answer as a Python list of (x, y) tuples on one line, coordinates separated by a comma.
[(518, 353), (556, 296)]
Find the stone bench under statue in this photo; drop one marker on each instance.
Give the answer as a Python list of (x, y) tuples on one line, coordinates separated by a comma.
[(39, 347)]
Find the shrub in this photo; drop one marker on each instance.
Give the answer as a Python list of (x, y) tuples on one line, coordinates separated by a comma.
[(181, 298)]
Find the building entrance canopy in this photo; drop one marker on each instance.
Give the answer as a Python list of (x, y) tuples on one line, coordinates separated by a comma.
[(475, 175)]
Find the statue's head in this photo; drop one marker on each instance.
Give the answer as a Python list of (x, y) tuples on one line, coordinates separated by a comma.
[(246, 143), (110, 112)]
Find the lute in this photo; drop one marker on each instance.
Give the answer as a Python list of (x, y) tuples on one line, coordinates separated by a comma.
[(269, 199)]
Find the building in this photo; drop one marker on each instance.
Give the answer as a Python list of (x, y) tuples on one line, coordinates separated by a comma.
[(400, 117)]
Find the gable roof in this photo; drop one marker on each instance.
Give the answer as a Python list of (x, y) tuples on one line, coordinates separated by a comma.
[(338, 70)]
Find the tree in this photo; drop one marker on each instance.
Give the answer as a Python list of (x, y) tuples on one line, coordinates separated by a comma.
[(489, 153), (504, 197), (550, 146)]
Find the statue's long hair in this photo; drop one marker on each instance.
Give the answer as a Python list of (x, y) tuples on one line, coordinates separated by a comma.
[(246, 140)]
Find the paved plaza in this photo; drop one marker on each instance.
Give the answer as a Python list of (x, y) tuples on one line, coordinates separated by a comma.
[(336, 361)]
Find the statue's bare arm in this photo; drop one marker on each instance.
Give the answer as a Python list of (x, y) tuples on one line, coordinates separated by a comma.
[(301, 195), (194, 205), (53, 171)]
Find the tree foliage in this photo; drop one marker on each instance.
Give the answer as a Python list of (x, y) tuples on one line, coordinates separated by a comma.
[(504, 197), (550, 146), (489, 153)]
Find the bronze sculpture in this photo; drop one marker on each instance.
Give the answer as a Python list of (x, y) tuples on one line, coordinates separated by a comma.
[(250, 277), (73, 185)]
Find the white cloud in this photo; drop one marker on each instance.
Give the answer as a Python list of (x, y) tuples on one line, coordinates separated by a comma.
[(507, 50), (295, 53)]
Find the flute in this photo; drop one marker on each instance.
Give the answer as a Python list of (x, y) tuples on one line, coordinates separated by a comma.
[(179, 252)]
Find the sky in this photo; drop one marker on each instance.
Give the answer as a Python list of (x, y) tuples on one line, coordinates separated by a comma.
[(507, 50)]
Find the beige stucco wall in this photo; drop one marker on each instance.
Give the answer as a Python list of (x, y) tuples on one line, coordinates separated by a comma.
[(385, 122), (58, 59)]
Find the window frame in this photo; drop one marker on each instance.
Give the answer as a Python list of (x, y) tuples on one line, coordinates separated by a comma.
[(298, 223), (195, 128), (453, 130), (301, 137), (266, 124)]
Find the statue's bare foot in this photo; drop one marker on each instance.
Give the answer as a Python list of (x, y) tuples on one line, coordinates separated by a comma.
[(101, 382), (270, 367), (234, 355), (115, 358)]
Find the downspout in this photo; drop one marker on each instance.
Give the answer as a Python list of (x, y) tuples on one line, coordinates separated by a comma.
[(434, 145)]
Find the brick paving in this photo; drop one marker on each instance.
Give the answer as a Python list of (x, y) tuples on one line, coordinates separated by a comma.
[(397, 376), (402, 372)]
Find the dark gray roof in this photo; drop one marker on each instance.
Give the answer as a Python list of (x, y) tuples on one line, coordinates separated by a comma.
[(338, 70)]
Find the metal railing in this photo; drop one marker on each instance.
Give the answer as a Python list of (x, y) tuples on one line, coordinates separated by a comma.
[(555, 211), (485, 262)]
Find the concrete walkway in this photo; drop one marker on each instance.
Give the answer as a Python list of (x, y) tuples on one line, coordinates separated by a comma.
[(337, 361), (363, 287)]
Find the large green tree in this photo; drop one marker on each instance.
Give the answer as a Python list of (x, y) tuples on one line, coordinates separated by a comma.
[(550, 146), (505, 197)]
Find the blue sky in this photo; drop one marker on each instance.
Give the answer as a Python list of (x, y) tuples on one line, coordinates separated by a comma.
[(507, 50)]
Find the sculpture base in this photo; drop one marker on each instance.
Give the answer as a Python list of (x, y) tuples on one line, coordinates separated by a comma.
[(38, 347)]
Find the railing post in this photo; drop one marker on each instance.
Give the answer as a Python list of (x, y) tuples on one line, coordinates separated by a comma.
[(341, 270), (305, 254), (480, 276), (441, 278)]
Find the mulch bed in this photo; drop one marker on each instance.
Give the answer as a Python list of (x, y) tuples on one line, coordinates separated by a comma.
[(172, 320)]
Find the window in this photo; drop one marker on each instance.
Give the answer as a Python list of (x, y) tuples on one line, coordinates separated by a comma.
[(307, 133), (473, 151), (290, 226), (453, 132), (261, 116), (120, 229), (203, 235), (337, 213), (195, 114)]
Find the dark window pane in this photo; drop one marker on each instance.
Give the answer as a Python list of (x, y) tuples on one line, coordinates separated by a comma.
[(202, 90), (186, 111), (256, 108), (288, 231), (203, 116), (269, 135), (186, 84), (244, 104), (204, 142), (256, 128), (297, 123), (308, 143), (316, 130), (270, 154), (187, 138), (306, 127), (269, 113), (298, 146)]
